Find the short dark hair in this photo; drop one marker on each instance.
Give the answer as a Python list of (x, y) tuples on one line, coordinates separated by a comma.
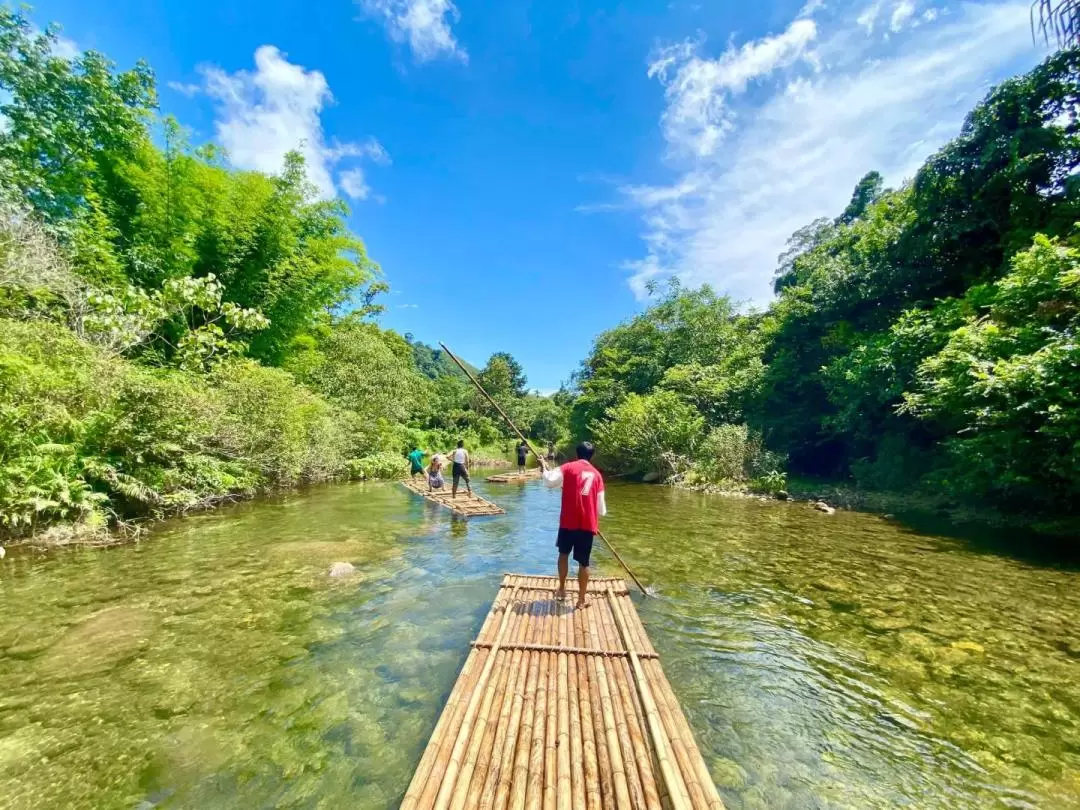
[(460, 442), (585, 450)]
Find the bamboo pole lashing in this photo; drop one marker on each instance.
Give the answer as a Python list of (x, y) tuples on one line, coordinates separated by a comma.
[(556, 648)]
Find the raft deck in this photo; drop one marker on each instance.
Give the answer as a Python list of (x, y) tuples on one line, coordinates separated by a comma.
[(515, 477), (464, 504), (562, 709)]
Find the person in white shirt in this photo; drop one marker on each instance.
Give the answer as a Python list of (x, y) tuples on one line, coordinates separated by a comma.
[(460, 458)]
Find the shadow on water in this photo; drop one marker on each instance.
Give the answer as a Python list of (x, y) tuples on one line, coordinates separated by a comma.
[(1023, 545), (824, 661)]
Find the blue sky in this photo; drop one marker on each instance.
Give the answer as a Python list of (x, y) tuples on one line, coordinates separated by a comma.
[(521, 170)]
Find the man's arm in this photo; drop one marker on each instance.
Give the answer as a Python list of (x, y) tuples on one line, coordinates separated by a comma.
[(601, 504), (553, 478)]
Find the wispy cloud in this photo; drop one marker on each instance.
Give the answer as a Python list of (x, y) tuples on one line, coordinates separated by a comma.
[(832, 105), (265, 113), (353, 184), (424, 24), (185, 89), (65, 48), (698, 89), (407, 306)]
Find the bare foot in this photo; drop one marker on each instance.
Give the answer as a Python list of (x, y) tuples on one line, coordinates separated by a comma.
[(560, 594), (581, 605)]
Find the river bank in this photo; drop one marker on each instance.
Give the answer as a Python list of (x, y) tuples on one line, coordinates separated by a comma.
[(1060, 534)]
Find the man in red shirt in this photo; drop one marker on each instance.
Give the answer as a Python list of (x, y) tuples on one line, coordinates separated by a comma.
[(582, 503)]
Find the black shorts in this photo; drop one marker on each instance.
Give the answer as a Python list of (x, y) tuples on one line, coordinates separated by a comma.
[(460, 471), (577, 540), (521, 461)]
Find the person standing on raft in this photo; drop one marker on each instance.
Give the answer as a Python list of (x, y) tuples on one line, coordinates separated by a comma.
[(416, 462), (460, 458), (522, 454), (582, 503)]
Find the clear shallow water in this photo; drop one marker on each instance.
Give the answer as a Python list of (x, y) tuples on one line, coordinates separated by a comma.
[(824, 661)]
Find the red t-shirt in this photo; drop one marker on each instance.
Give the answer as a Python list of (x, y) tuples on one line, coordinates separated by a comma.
[(582, 485)]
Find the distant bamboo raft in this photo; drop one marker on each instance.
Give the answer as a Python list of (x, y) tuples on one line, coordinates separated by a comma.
[(561, 709), (464, 504), (514, 477)]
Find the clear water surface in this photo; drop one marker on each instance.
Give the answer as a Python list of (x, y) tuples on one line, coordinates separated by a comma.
[(839, 661)]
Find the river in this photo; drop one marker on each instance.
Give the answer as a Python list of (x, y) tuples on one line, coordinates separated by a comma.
[(824, 661)]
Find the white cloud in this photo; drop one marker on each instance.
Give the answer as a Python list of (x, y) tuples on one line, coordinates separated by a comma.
[(811, 7), (868, 17), (65, 48), (698, 90), (407, 306), (424, 24), (185, 89), (902, 12), (264, 114), (353, 184), (797, 154)]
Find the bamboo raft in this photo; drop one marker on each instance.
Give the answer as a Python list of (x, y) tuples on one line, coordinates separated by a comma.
[(515, 477), (561, 709), (464, 504)]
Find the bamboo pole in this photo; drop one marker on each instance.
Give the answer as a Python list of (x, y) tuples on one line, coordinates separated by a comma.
[(449, 736), (605, 781), (675, 785), (590, 775), (687, 753), (484, 729), (454, 765), (534, 795), (445, 719), (521, 435), (551, 736), (507, 761), (630, 740), (504, 729), (520, 775), (611, 731)]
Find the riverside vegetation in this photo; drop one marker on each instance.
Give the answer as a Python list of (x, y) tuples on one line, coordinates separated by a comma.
[(923, 341), (175, 332)]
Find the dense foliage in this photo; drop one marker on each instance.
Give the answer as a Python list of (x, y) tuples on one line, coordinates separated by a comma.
[(926, 337), (174, 332)]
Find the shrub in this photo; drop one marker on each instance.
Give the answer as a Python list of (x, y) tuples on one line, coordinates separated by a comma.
[(385, 465)]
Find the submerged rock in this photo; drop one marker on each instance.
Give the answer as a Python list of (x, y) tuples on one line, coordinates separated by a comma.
[(782, 495), (341, 569), (821, 506), (729, 774), (100, 642)]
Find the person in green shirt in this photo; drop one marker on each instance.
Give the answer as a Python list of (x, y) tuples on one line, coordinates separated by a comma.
[(416, 462)]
